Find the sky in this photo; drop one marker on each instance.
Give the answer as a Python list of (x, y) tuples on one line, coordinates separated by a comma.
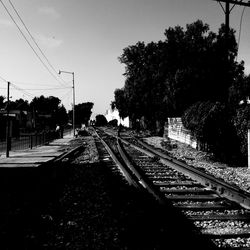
[(87, 37)]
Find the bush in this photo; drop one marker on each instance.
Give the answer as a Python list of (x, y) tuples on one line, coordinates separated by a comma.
[(210, 123), (113, 123), (101, 120), (241, 123)]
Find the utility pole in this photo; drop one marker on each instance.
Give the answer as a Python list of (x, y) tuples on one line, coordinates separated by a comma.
[(74, 133), (8, 121), (73, 106), (227, 10), (227, 15)]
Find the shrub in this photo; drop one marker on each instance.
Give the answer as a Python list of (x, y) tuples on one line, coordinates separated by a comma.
[(100, 120), (241, 123), (113, 123), (210, 123)]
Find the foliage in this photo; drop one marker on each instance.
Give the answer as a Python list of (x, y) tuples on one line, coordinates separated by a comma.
[(210, 124), (241, 122), (1, 101), (100, 120), (202, 119), (82, 113), (113, 105), (19, 104), (113, 123), (239, 92), (164, 78), (48, 112), (120, 103)]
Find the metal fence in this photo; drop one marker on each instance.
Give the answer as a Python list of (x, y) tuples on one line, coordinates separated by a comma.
[(29, 141)]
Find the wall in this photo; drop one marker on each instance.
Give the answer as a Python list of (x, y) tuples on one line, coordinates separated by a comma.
[(175, 130)]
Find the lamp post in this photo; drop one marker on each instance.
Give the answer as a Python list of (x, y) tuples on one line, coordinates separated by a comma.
[(73, 108)]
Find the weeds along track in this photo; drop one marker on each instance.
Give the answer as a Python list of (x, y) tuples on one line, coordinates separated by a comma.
[(219, 211)]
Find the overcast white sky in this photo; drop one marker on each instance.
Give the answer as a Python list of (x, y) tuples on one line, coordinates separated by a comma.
[(87, 36)]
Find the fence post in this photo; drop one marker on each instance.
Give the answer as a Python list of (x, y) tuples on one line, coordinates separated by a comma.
[(31, 141)]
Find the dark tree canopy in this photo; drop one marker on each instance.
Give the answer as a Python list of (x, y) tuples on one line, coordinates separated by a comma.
[(82, 113), (48, 112), (164, 78), (2, 102), (100, 120), (20, 104)]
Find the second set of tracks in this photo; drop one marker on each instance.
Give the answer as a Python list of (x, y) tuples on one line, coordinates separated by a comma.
[(220, 212)]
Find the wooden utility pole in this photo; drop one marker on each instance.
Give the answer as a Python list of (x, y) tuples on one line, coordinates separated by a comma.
[(73, 106), (8, 121), (227, 9)]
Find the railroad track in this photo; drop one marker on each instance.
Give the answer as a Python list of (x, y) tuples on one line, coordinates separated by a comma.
[(219, 211)]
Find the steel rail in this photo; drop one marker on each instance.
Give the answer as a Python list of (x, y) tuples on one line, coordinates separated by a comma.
[(139, 175), (222, 188), (126, 173), (135, 174)]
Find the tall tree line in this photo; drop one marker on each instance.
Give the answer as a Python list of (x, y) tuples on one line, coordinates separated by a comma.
[(49, 111), (193, 69)]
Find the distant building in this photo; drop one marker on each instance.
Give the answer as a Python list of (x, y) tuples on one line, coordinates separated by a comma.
[(114, 114)]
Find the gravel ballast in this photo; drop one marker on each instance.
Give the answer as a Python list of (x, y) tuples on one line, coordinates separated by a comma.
[(238, 176), (86, 206)]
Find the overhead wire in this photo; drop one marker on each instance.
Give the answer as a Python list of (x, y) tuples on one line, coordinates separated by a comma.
[(22, 90), (23, 35), (3, 79), (67, 95), (39, 84), (49, 89), (64, 84), (25, 26), (241, 19)]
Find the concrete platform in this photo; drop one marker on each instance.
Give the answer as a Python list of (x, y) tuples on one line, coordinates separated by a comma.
[(36, 156)]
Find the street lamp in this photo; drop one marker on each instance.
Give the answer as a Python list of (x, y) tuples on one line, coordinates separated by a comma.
[(73, 108)]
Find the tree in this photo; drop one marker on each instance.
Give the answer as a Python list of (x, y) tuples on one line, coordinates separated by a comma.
[(241, 122), (100, 120), (48, 112), (82, 113), (239, 92), (163, 79), (2, 105), (20, 104), (211, 125), (121, 103)]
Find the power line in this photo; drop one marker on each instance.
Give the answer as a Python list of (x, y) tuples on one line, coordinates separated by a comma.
[(3, 79), (20, 30), (66, 95), (63, 88), (22, 90), (241, 19), (25, 26), (38, 84)]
